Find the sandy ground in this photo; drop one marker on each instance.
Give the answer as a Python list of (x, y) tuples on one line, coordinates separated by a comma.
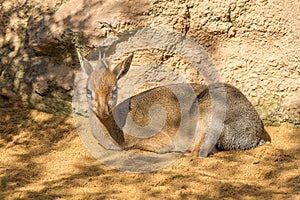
[(42, 157)]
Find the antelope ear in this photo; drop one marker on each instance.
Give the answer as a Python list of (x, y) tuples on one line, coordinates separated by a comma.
[(84, 64), (122, 68)]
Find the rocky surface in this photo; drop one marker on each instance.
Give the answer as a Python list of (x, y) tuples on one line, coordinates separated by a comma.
[(254, 44)]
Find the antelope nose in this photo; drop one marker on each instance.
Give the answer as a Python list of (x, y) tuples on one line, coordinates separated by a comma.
[(103, 114), (103, 110)]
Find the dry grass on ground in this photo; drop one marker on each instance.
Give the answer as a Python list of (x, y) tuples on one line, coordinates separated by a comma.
[(42, 157)]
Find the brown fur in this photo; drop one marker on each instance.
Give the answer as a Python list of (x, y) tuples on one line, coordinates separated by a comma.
[(187, 127)]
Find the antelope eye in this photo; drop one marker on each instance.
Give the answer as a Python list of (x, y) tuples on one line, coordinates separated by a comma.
[(114, 92), (89, 93), (115, 89), (113, 97)]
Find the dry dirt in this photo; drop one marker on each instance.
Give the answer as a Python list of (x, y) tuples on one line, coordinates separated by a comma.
[(42, 157)]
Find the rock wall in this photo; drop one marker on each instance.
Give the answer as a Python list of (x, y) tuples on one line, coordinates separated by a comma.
[(254, 44)]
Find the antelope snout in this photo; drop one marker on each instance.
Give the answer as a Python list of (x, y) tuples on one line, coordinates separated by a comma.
[(103, 110), (103, 113)]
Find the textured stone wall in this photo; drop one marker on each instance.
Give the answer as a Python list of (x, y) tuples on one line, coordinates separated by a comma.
[(254, 44)]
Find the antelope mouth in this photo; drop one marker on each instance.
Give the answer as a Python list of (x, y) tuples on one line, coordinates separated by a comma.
[(103, 115)]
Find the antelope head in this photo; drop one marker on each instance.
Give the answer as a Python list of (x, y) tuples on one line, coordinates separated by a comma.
[(101, 87)]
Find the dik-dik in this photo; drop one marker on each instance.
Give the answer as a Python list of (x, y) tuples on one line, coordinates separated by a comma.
[(180, 121)]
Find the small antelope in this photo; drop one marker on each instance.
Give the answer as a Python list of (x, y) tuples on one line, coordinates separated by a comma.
[(171, 121)]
